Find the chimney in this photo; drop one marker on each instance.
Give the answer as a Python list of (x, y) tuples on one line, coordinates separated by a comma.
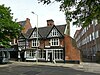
[(50, 22), (27, 19)]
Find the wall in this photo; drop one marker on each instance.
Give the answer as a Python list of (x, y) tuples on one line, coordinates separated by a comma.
[(71, 52)]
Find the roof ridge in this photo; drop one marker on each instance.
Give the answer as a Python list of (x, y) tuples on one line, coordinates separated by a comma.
[(52, 26)]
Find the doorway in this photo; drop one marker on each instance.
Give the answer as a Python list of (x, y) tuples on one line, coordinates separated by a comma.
[(50, 57)]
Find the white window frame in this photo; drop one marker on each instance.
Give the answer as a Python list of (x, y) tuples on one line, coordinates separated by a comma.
[(93, 36), (90, 37), (54, 33), (54, 42), (30, 54), (42, 54), (35, 41), (34, 35), (97, 34), (58, 54)]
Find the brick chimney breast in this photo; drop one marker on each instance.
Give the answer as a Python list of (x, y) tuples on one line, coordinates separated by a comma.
[(50, 22)]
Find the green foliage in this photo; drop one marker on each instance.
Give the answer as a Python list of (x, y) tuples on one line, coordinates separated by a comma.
[(8, 28), (81, 11)]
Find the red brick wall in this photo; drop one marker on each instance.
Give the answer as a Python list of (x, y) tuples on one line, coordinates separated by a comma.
[(71, 53), (30, 44), (42, 44), (62, 42), (47, 43)]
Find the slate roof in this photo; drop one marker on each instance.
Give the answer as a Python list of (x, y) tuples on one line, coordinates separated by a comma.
[(29, 32), (44, 31)]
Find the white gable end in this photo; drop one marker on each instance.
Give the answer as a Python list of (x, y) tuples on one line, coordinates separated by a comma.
[(54, 33), (34, 35)]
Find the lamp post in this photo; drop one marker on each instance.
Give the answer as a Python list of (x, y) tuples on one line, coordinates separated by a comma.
[(37, 38)]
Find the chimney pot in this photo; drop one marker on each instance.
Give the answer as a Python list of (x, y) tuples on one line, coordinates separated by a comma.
[(50, 22)]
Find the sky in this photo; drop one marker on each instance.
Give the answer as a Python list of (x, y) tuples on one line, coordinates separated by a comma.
[(23, 9)]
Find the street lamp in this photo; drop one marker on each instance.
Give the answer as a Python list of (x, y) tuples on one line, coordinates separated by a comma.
[(37, 37)]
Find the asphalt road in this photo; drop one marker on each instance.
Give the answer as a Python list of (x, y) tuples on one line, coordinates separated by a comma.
[(24, 69)]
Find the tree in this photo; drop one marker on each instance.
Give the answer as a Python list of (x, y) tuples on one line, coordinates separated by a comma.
[(8, 28), (81, 11)]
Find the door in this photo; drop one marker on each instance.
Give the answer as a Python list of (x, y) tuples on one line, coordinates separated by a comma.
[(50, 57)]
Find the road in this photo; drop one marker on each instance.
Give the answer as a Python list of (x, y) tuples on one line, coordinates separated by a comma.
[(35, 69)]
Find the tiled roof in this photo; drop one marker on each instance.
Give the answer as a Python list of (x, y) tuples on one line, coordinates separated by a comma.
[(61, 28), (44, 31), (28, 33)]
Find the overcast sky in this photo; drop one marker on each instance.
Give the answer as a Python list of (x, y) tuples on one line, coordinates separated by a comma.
[(22, 9)]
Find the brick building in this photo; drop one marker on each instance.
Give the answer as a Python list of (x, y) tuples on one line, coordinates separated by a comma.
[(88, 40), (50, 43)]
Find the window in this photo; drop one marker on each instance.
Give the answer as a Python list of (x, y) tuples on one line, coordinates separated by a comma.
[(54, 42), (35, 43), (58, 54), (97, 34), (54, 33), (90, 37), (30, 54), (42, 54), (93, 36), (34, 35)]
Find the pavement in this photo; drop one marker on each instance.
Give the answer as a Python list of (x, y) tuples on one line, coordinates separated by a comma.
[(83, 66)]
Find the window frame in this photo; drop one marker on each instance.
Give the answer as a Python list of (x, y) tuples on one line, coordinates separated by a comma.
[(35, 43), (54, 42)]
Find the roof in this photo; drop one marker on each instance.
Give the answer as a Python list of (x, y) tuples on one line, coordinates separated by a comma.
[(22, 23), (29, 32), (44, 31)]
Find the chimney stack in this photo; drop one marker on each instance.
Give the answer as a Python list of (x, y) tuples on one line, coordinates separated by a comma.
[(27, 19), (50, 22)]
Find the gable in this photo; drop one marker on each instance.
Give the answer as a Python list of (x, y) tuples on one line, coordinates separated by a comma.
[(54, 33), (34, 34), (21, 38)]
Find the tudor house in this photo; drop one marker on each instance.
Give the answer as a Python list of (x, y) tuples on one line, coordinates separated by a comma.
[(50, 43)]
